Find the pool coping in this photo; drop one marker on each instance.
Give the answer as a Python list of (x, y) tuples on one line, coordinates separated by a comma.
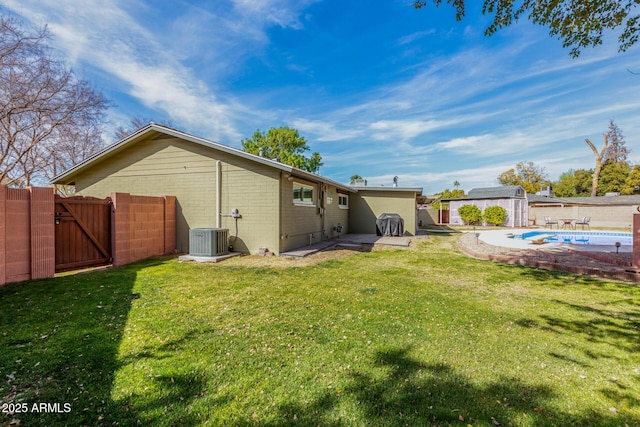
[(548, 258)]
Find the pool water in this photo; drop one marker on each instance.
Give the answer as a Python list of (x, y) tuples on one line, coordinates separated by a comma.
[(582, 237)]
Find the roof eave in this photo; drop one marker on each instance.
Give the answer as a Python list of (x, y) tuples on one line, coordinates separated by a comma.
[(74, 170)]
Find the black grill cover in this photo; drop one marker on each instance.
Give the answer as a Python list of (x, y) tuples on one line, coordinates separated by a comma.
[(390, 225)]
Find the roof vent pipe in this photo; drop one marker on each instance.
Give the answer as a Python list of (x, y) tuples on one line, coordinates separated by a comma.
[(261, 153), (395, 181)]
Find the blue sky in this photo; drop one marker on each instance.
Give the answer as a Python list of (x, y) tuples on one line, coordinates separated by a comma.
[(379, 88)]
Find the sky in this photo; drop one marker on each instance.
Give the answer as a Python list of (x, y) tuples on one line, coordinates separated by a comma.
[(378, 88)]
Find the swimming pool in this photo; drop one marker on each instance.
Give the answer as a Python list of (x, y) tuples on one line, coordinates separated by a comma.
[(604, 238)]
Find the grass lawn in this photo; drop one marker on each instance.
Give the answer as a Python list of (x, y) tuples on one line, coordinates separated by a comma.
[(407, 337)]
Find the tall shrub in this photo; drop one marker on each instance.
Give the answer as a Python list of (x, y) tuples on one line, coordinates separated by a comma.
[(495, 215), (470, 214)]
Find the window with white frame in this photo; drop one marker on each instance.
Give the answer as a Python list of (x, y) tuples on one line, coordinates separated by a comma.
[(343, 201), (303, 194)]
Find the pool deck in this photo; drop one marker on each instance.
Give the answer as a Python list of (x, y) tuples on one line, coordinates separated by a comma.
[(499, 238), (589, 260)]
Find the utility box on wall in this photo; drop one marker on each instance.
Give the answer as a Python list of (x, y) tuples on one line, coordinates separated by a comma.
[(208, 241)]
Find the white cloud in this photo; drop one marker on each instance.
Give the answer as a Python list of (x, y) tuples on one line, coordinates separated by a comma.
[(324, 131), (284, 13), (415, 36), (113, 41)]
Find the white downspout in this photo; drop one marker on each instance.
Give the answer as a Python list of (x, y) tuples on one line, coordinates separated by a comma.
[(218, 192)]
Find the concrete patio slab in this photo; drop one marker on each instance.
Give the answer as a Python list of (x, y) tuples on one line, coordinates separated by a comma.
[(208, 258), (348, 240)]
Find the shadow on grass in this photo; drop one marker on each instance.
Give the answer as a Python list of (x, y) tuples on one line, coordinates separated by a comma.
[(60, 339), (618, 328), (415, 393)]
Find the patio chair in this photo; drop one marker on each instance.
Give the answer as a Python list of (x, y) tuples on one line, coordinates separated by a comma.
[(548, 222), (585, 221)]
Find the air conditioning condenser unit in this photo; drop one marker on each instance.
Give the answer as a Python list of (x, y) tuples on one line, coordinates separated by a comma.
[(208, 241)]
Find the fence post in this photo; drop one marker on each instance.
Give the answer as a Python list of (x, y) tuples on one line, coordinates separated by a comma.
[(121, 228), (636, 239), (43, 243), (3, 235), (169, 224)]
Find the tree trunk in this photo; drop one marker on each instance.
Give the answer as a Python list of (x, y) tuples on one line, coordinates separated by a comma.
[(599, 160)]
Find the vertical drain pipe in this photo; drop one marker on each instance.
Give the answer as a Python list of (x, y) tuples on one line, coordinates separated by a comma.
[(218, 193)]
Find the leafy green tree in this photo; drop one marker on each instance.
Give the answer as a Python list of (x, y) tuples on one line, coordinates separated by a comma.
[(494, 215), (354, 177), (447, 194), (632, 183), (613, 177), (583, 182), (284, 144), (577, 23), (527, 175), (573, 183), (566, 185), (470, 214)]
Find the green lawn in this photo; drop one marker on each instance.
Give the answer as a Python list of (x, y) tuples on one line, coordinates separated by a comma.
[(407, 337)]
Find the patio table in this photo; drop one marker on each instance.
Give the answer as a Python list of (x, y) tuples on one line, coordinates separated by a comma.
[(568, 221)]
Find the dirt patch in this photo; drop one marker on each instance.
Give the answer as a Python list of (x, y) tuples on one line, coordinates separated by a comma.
[(331, 253)]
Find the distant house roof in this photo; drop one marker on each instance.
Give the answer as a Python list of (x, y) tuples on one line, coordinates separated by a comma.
[(508, 192), (594, 201)]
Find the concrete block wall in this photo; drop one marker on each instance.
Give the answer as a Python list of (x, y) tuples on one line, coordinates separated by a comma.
[(301, 225), (142, 226), (27, 234), (253, 190), (601, 216), (334, 214)]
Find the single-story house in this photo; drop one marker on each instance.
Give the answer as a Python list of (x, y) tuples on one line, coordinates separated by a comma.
[(263, 203), (512, 198)]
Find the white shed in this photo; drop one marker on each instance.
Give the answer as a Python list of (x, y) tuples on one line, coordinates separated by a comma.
[(512, 198)]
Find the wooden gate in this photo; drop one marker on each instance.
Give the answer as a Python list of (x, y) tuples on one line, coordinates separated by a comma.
[(83, 232), (444, 217)]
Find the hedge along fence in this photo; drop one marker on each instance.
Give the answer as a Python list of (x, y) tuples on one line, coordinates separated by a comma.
[(141, 227)]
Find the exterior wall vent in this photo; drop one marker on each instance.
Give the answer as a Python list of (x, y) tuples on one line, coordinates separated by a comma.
[(208, 241)]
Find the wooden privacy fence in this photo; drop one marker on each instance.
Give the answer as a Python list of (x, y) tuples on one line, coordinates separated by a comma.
[(41, 234), (83, 232)]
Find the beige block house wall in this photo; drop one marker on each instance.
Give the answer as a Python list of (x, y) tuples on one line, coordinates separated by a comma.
[(302, 225), (171, 166), (369, 203), (158, 161), (334, 213)]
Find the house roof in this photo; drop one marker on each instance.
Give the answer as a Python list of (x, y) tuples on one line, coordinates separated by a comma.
[(594, 201), (506, 192), (67, 176), (390, 189)]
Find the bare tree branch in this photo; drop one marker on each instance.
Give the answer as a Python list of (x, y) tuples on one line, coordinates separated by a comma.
[(41, 102)]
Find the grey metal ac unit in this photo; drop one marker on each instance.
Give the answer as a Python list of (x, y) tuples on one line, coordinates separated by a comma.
[(208, 241)]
